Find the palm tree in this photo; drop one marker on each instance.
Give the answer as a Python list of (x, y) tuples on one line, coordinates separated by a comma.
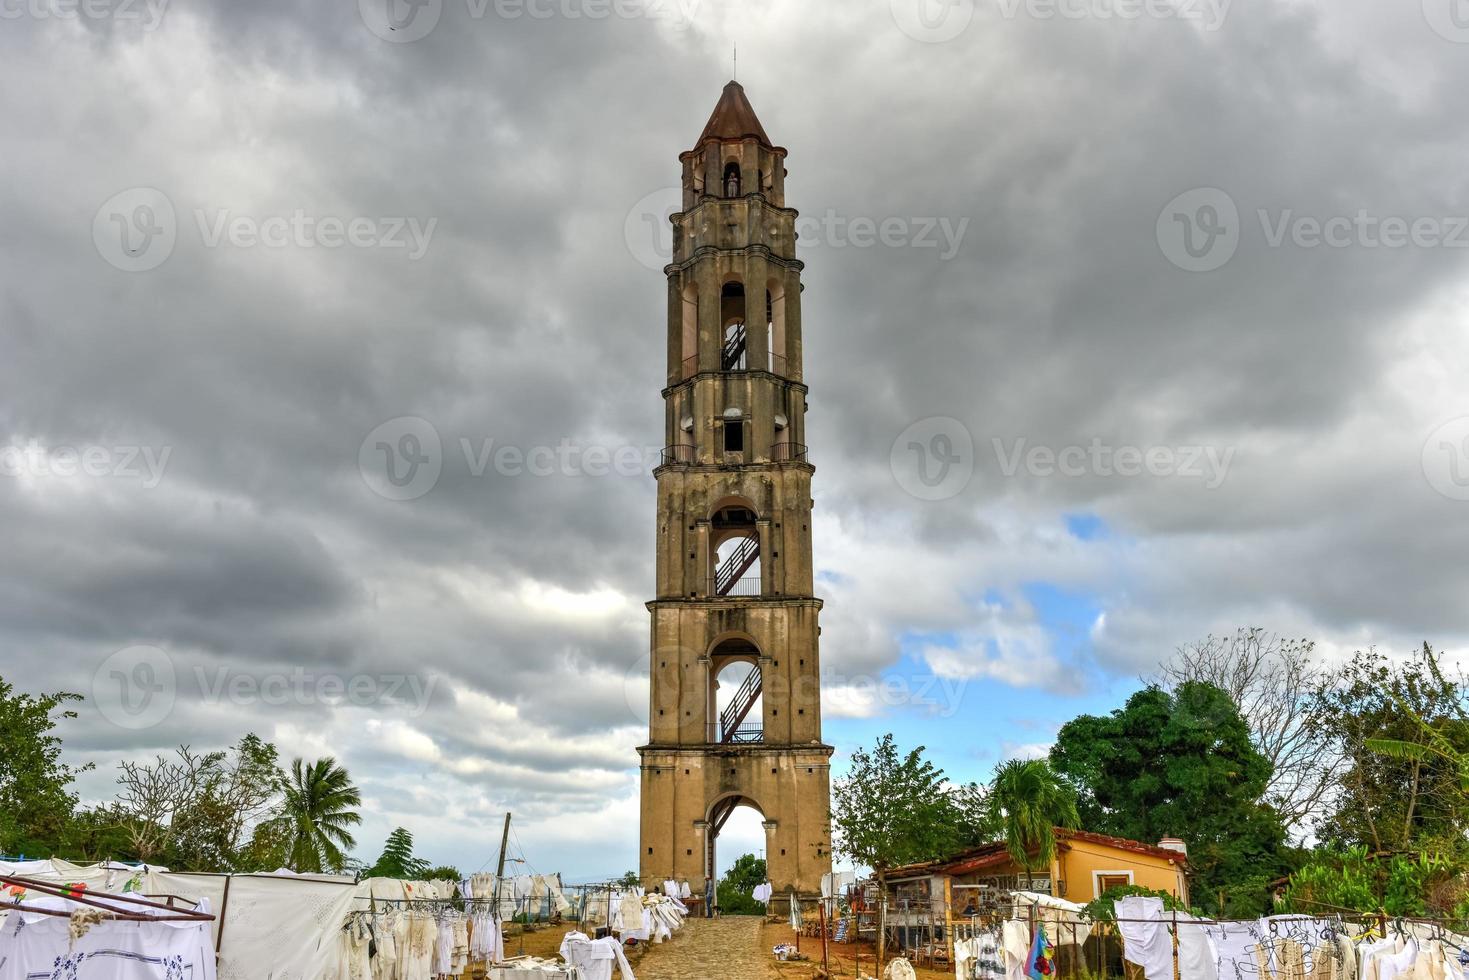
[(1029, 802), (315, 815)]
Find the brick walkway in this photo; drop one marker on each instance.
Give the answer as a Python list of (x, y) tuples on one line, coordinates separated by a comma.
[(712, 949)]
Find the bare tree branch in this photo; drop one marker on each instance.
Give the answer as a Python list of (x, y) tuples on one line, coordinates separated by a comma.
[(1273, 681)]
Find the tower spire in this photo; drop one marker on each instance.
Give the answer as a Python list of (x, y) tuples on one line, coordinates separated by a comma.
[(734, 118)]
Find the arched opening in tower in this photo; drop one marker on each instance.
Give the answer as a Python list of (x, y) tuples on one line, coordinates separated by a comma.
[(743, 833), (736, 827), (734, 353), (738, 701), (732, 179), (736, 560)]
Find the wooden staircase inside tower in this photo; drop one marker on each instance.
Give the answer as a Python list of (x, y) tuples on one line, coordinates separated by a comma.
[(731, 719), (733, 356), (735, 566)]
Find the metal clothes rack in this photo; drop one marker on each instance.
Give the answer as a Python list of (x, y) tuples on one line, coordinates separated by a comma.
[(114, 905)]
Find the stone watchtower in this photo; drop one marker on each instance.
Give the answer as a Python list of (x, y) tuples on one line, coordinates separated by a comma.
[(736, 701)]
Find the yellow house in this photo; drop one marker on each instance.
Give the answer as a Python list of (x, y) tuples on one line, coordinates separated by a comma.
[(1086, 864)]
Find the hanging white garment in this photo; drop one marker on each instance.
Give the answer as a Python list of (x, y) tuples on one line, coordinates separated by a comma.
[(1234, 949), (900, 969), (1064, 922), (1197, 957), (34, 945), (763, 892), (1145, 941), (1015, 940), (979, 958), (593, 958), (1398, 964), (835, 884)]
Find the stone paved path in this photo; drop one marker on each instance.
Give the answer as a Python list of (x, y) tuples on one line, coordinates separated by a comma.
[(712, 949)]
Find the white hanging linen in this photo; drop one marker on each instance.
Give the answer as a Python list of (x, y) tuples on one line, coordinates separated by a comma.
[(1234, 949), (1015, 940), (1145, 940), (1197, 957), (593, 958), (33, 945)]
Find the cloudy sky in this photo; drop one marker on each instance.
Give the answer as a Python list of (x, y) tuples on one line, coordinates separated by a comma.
[(1163, 335)]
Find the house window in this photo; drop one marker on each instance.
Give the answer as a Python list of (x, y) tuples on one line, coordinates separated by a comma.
[(1111, 879)]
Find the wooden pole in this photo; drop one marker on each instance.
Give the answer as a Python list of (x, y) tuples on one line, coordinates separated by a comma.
[(825, 951), (1175, 945), (949, 916), (504, 843), (224, 907)]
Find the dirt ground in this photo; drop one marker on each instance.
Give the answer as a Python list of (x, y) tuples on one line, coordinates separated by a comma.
[(737, 948)]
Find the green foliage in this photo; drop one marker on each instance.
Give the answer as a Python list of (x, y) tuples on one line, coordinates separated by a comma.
[(738, 884), (397, 860), (36, 801), (894, 809), (1354, 878), (443, 872), (747, 873), (1029, 802), (1181, 764), (1103, 908), (93, 835), (1402, 728), (630, 880), (233, 791), (319, 806)]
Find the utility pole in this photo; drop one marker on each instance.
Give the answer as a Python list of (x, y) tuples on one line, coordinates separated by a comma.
[(504, 843)]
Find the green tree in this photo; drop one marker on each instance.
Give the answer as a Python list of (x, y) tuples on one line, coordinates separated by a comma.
[(1029, 802), (36, 801), (319, 806), (235, 791), (1181, 763), (444, 872), (1403, 729), (737, 887), (196, 811), (397, 860), (894, 809)]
